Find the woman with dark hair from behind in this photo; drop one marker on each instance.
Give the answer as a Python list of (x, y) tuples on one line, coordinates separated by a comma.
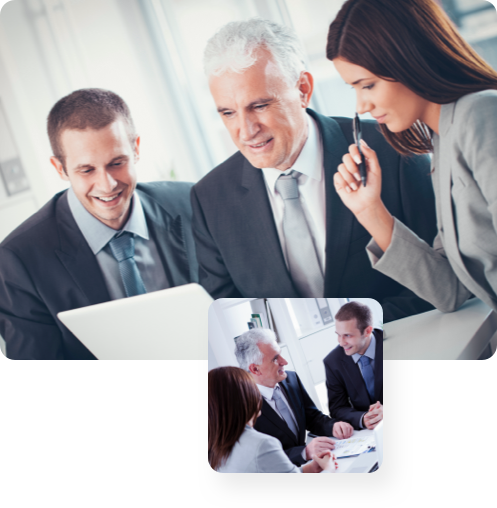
[(234, 445), (429, 92)]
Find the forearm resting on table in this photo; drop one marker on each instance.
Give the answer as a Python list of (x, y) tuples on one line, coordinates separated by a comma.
[(379, 223)]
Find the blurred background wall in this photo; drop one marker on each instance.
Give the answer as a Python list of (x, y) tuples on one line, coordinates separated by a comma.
[(150, 53)]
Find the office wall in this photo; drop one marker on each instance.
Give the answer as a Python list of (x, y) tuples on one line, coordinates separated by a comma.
[(47, 50)]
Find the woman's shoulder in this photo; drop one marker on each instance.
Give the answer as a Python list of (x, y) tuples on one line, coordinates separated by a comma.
[(478, 100), (258, 439), (255, 451)]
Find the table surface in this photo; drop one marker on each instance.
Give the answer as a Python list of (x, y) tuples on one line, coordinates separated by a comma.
[(460, 335)]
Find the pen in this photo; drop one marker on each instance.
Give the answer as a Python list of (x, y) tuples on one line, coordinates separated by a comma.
[(356, 124)]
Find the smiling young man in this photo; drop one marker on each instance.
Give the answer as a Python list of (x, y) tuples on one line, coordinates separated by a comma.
[(354, 369), (268, 220), (105, 238), (287, 410)]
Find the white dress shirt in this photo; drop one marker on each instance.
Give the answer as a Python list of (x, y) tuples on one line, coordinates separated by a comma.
[(311, 188)]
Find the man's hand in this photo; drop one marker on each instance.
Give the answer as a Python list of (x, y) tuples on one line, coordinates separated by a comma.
[(342, 430), (318, 446), (373, 416)]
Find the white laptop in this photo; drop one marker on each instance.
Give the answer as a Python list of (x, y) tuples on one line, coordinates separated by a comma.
[(370, 462), (164, 325)]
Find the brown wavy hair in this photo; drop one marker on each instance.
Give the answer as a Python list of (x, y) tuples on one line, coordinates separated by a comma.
[(415, 43), (234, 400)]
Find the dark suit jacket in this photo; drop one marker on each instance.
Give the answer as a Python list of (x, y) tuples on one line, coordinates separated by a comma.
[(348, 397), (238, 248), (46, 267), (308, 416)]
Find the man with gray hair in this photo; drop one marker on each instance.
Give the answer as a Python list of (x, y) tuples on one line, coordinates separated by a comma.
[(287, 410), (268, 220)]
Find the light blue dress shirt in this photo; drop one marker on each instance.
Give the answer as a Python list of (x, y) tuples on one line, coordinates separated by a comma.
[(98, 236), (370, 354)]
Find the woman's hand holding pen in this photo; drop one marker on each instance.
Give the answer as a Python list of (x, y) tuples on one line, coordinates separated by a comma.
[(365, 202)]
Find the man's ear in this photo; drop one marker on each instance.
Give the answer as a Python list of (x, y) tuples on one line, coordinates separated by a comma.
[(369, 330), (137, 149), (306, 87), (254, 369), (57, 164)]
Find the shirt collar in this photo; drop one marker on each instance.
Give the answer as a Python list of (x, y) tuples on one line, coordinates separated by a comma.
[(309, 162), (369, 352), (96, 233), (267, 392)]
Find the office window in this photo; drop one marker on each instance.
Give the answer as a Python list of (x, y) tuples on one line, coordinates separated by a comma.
[(477, 22), (182, 28)]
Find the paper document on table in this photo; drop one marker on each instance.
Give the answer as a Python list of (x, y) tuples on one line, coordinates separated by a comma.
[(353, 446)]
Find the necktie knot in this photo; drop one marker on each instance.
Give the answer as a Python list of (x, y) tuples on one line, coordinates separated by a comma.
[(365, 361), (123, 250), (123, 247), (287, 185)]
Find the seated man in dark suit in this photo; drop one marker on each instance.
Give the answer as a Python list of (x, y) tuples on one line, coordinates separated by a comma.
[(105, 238), (354, 369), (287, 410), (268, 220)]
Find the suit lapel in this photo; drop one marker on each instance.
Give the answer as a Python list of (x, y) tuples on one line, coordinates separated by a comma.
[(339, 220), (168, 234), (450, 240), (445, 188), (262, 227), (77, 257), (294, 402), (275, 419)]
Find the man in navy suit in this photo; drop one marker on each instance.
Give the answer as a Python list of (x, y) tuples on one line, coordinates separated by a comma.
[(287, 410), (354, 369), (251, 240), (105, 238)]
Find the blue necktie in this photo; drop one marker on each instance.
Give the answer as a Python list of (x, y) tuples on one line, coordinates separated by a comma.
[(123, 250), (284, 411), (368, 375)]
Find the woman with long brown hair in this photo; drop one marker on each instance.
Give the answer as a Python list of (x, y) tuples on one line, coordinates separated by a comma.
[(234, 445), (429, 92)]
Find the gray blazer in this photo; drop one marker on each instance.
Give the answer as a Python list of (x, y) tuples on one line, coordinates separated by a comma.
[(255, 452), (463, 259)]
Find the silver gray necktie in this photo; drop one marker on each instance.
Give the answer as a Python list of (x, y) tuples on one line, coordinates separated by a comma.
[(301, 254), (123, 250), (284, 411)]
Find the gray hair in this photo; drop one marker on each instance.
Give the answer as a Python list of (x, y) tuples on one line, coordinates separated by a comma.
[(234, 48), (247, 351)]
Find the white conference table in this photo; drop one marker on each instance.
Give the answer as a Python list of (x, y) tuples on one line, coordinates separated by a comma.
[(459, 335), (346, 464)]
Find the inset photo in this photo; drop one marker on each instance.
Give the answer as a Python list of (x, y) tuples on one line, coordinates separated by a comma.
[(295, 385)]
